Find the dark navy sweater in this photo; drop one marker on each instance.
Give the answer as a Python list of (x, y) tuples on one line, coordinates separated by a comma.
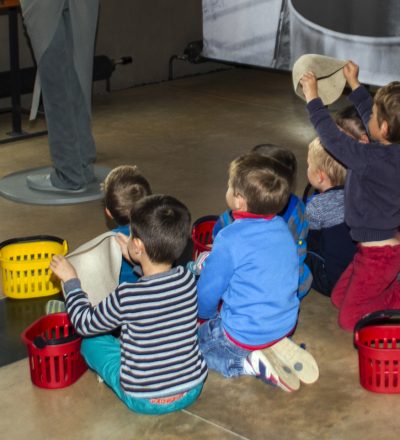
[(329, 236), (372, 188)]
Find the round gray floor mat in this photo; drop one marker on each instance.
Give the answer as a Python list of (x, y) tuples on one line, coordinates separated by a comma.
[(14, 187)]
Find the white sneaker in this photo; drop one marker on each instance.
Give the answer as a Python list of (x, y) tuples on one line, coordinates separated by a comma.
[(300, 361), (271, 370)]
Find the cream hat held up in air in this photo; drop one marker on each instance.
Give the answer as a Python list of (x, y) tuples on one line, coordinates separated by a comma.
[(329, 73)]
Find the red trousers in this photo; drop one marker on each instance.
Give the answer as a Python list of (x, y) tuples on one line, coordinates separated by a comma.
[(368, 284)]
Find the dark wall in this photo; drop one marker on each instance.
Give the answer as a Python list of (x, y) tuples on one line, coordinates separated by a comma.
[(150, 32)]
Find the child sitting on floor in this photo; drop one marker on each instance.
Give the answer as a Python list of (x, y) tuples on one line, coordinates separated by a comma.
[(293, 213), (253, 268), (372, 195), (155, 367), (123, 187), (330, 247)]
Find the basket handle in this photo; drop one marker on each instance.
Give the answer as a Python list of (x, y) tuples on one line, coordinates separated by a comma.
[(374, 317), (41, 342), (205, 218), (31, 239), (65, 247)]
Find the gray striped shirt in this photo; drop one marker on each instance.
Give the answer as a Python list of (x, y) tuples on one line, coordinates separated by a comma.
[(158, 318)]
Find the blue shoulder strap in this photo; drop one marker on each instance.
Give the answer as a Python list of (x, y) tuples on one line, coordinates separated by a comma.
[(225, 219), (290, 207)]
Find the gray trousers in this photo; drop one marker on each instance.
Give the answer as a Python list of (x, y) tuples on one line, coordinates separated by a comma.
[(71, 143)]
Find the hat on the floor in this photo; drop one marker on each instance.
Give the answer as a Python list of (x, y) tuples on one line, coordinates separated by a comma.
[(328, 71), (98, 265)]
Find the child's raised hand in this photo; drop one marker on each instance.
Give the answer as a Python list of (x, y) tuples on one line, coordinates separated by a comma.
[(62, 268), (310, 86), (350, 72)]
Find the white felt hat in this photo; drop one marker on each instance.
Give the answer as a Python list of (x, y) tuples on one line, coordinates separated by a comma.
[(329, 73), (98, 264)]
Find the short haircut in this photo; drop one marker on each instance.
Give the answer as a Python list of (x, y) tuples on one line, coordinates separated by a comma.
[(263, 181), (321, 160), (163, 224), (122, 187), (387, 101), (350, 122), (282, 155)]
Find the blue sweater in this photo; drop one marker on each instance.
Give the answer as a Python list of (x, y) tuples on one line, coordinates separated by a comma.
[(294, 216), (254, 268), (372, 188)]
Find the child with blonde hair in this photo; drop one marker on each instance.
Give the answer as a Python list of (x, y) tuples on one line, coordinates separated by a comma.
[(330, 247)]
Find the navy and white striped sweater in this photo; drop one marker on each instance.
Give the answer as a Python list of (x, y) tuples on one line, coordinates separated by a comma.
[(158, 318)]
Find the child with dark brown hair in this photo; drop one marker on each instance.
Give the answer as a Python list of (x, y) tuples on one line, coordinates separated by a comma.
[(372, 195), (349, 121), (155, 366)]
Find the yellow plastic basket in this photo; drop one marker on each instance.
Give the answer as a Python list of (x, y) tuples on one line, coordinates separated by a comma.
[(25, 266)]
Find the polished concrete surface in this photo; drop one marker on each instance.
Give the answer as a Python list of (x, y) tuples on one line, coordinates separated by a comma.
[(182, 135)]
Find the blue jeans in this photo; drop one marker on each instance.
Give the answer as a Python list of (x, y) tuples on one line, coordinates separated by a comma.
[(220, 353), (71, 143), (103, 355)]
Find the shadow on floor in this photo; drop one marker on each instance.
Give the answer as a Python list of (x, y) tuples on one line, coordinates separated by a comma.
[(15, 317)]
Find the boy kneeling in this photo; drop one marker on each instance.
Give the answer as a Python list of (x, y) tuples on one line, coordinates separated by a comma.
[(254, 269)]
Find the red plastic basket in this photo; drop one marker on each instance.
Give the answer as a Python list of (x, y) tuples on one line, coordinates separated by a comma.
[(202, 234), (377, 338), (58, 363)]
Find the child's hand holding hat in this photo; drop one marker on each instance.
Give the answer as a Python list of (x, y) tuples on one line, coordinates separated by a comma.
[(310, 86), (350, 72), (328, 72), (62, 268)]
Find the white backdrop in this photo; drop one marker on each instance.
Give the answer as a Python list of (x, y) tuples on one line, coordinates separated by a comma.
[(243, 31), (274, 33)]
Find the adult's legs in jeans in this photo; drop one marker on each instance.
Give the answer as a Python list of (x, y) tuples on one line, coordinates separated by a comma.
[(62, 96), (83, 120), (373, 285)]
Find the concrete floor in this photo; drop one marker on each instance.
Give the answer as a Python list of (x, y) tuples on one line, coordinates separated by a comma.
[(182, 135)]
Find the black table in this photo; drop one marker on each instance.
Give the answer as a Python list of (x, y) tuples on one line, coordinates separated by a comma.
[(12, 9)]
